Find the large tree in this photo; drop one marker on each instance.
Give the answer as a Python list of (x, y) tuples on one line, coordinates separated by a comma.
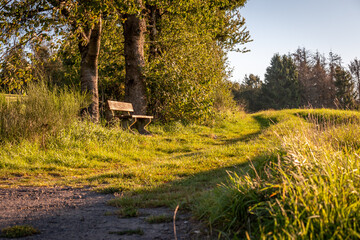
[(187, 72), (345, 94), (354, 68), (134, 43), (212, 25), (220, 19), (281, 88), (32, 22), (316, 86)]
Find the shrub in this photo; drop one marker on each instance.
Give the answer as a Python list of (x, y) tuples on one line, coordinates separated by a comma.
[(42, 112)]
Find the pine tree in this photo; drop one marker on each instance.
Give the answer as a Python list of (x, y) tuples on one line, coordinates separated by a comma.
[(344, 86), (354, 68), (281, 88)]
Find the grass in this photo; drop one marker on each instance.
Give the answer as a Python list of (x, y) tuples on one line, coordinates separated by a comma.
[(307, 187), (243, 174), (137, 231), (178, 161), (18, 231), (128, 212), (41, 113), (153, 219)]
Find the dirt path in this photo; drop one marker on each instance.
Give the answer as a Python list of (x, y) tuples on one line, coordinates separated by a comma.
[(68, 213)]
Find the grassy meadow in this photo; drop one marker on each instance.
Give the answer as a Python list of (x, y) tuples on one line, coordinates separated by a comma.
[(290, 174)]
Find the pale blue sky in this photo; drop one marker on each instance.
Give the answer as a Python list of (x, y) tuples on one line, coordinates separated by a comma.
[(281, 26)]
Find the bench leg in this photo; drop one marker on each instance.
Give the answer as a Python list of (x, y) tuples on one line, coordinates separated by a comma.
[(132, 124), (141, 126), (147, 125)]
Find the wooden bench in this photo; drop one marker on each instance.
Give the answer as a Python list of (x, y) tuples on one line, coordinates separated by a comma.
[(12, 97), (127, 109)]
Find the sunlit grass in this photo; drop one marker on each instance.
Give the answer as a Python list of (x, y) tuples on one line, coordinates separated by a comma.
[(277, 170), (305, 188), (188, 158)]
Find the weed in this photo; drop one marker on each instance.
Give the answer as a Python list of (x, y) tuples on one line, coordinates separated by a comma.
[(137, 231), (127, 212), (19, 231), (159, 219)]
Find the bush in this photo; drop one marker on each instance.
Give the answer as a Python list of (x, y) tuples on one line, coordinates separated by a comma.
[(42, 112)]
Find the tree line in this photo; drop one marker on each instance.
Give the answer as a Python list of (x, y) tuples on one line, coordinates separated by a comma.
[(165, 57), (302, 79)]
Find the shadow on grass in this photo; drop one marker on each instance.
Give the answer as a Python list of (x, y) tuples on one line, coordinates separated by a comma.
[(188, 188), (183, 192), (328, 117), (246, 138), (265, 121)]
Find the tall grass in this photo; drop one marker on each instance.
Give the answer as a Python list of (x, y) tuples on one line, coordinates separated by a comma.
[(41, 113), (309, 188), (303, 182)]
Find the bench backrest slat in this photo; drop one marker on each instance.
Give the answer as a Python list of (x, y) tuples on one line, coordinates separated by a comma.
[(120, 106)]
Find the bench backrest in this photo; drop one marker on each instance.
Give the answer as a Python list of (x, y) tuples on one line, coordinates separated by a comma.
[(120, 106)]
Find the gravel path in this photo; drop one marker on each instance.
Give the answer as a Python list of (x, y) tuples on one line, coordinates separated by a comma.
[(69, 213)]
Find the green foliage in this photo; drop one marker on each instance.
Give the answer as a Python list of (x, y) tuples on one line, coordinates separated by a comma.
[(249, 93), (187, 78), (159, 219), (281, 86), (183, 81), (301, 79), (15, 72), (18, 231), (354, 68), (137, 231), (128, 212), (112, 62), (345, 92), (41, 113)]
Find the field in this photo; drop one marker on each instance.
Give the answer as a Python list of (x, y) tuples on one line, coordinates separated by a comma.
[(274, 174)]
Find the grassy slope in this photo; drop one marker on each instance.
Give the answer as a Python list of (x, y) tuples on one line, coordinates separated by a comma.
[(176, 165), (307, 187), (178, 160)]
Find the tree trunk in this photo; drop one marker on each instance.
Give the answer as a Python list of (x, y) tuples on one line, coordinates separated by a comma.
[(134, 35), (89, 47)]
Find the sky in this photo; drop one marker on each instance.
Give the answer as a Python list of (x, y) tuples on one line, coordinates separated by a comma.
[(281, 26)]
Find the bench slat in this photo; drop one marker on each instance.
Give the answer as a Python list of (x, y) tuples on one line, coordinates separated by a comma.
[(142, 116), (120, 106)]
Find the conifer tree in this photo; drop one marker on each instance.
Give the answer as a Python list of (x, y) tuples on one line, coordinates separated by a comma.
[(354, 67), (281, 87), (344, 86)]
